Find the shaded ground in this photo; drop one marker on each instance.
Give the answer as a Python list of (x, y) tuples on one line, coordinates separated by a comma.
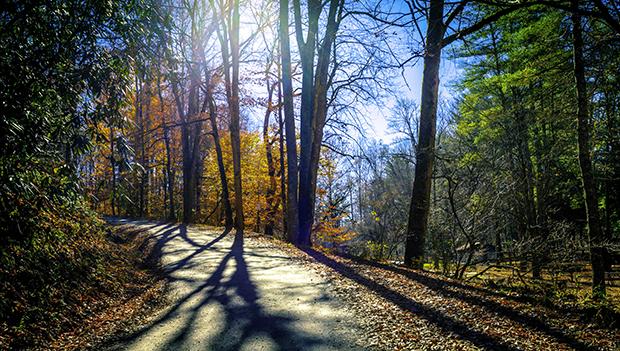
[(413, 310), (232, 293), (254, 293)]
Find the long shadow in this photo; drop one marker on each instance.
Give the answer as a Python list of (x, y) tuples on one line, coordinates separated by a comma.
[(465, 294), (186, 238), (440, 319), (243, 315), (169, 269), (453, 283), (213, 280), (163, 238)]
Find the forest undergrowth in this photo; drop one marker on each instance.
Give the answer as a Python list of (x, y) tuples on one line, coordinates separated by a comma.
[(75, 281)]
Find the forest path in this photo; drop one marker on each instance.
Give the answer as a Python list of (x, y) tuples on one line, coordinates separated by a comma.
[(228, 292)]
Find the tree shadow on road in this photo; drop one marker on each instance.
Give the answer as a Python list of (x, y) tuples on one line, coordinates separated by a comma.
[(245, 317), (236, 295)]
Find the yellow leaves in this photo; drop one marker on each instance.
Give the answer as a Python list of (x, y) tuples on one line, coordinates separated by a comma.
[(254, 172)]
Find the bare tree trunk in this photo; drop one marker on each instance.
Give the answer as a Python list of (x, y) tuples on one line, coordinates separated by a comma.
[(289, 123), (188, 174), (307, 53), (233, 104), (145, 110), (271, 168), (585, 160), (281, 149), (220, 162), (199, 169), (113, 166), (540, 181), (190, 133), (612, 184), (417, 226), (191, 130), (527, 175), (321, 84), (313, 104), (169, 172), (140, 140), (147, 161)]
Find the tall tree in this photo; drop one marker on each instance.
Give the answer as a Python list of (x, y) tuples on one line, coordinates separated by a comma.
[(597, 255), (234, 115), (218, 151), (417, 227), (169, 172), (272, 199), (289, 124), (313, 114), (435, 41), (228, 35)]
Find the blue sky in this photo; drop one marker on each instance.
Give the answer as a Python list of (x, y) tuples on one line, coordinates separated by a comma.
[(411, 89), (408, 85)]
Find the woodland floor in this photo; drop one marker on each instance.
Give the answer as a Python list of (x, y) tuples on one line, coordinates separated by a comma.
[(233, 292)]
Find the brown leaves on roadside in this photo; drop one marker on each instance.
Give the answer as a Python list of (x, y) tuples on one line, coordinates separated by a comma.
[(405, 309)]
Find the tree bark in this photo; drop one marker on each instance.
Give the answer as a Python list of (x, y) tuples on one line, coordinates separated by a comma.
[(145, 125), (307, 53), (271, 168), (140, 140), (113, 167), (281, 149), (585, 160), (234, 116), (220, 162), (190, 135), (417, 226), (313, 105), (289, 124), (612, 183), (169, 173), (321, 85)]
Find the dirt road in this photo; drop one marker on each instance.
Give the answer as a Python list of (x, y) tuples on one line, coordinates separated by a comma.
[(228, 292)]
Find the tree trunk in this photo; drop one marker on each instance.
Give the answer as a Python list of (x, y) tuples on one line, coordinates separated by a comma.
[(220, 162), (307, 53), (113, 166), (417, 226), (234, 116), (169, 173), (145, 125), (612, 183), (271, 168), (190, 138), (321, 84), (528, 191), (313, 105), (289, 123), (140, 140), (281, 149), (585, 160), (188, 175)]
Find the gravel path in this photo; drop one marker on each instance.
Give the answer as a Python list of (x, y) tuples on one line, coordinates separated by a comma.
[(228, 292)]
